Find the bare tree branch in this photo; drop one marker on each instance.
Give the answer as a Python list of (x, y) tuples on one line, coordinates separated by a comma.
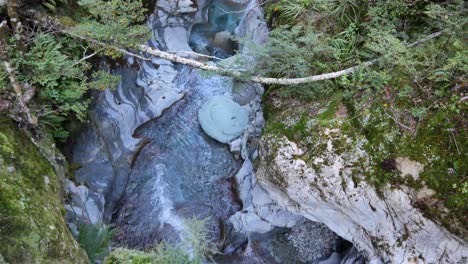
[(105, 45), (266, 80), (87, 57), (196, 54), (239, 74), (12, 9)]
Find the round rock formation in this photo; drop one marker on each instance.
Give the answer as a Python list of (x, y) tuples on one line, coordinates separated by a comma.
[(223, 119)]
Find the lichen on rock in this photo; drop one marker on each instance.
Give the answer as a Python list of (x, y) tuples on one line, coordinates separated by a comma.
[(320, 161)]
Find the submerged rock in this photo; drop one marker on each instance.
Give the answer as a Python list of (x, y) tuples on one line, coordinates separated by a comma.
[(223, 119), (312, 241)]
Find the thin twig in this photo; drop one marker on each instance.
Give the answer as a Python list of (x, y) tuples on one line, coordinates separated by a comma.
[(105, 45), (195, 53), (86, 57), (399, 123), (463, 99), (239, 74)]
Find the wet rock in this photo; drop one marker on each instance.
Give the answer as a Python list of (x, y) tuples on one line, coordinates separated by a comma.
[(352, 256), (223, 40), (312, 241), (186, 6), (252, 26), (162, 168), (85, 206), (177, 6), (106, 149), (335, 258), (260, 213), (223, 119), (244, 93), (236, 145)]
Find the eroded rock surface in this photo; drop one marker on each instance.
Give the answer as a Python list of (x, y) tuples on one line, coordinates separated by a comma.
[(322, 176), (223, 119), (260, 212)]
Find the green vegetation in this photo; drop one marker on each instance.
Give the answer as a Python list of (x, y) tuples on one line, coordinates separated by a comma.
[(52, 5), (116, 22), (196, 241), (49, 65), (53, 68), (411, 104), (95, 239), (32, 227), (161, 254)]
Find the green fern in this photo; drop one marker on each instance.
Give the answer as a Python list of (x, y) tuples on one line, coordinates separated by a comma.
[(95, 239), (287, 12), (292, 10), (197, 238), (52, 5), (347, 11)]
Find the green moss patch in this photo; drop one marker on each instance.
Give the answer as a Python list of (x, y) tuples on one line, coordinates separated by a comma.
[(437, 141), (32, 227)]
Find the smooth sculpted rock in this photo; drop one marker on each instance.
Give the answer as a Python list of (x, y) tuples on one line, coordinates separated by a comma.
[(223, 119), (322, 177)]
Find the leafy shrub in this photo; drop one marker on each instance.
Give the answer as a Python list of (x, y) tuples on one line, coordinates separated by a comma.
[(62, 82), (95, 239), (417, 91), (53, 66), (116, 22), (197, 239), (195, 247), (161, 254), (287, 12), (56, 65)]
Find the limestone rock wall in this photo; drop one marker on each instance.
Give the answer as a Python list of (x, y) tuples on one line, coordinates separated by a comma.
[(320, 176)]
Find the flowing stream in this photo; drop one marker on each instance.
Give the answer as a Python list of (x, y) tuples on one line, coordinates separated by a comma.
[(181, 172), (148, 164)]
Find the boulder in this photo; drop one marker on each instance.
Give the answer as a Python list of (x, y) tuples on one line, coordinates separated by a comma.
[(85, 205), (223, 40), (223, 119), (186, 6)]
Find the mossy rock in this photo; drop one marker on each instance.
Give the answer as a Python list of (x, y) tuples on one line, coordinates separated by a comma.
[(32, 226), (432, 143)]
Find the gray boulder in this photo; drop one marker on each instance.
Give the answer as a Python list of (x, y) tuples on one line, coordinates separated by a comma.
[(84, 205), (223, 119)]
